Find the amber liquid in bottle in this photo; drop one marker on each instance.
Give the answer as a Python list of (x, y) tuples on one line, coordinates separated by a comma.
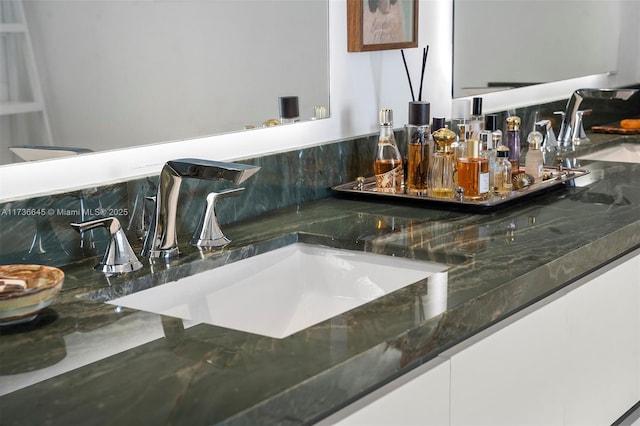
[(441, 192), (387, 165), (418, 164), (389, 175), (473, 177), (442, 166)]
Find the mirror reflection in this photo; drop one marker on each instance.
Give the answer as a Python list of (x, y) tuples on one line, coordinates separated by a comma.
[(501, 44), (115, 74)]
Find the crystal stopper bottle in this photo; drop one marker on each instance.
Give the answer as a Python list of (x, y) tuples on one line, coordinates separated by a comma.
[(388, 162), (534, 161)]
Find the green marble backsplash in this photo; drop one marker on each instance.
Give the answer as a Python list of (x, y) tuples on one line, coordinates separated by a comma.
[(37, 230)]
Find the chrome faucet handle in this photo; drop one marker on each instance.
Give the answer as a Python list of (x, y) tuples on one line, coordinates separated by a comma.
[(208, 233), (550, 143), (578, 134), (119, 256)]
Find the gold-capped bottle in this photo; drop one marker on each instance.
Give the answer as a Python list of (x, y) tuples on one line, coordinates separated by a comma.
[(388, 162), (473, 172), (442, 165)]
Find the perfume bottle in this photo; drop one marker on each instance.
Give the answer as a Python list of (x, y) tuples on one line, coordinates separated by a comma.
[(512, 141), (489, 137), (502, 172), (459, 146), (289, 111), (476, 122), (419, 147), (491, 124), (460, 110), (473, 172), (387, 166), (437, 123), (534, 161), (442, 165)]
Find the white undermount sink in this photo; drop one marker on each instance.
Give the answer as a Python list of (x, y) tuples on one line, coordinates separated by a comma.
[(283, 291), (623, 153)]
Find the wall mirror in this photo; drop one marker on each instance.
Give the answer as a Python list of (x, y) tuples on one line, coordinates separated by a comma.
[(118, 74), (501, 44)]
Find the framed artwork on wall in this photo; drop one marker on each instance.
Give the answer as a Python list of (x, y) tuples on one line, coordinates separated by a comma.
[(381, 24)]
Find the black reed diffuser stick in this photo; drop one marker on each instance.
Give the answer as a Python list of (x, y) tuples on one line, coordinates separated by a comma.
[(425, 52), (413, 98)]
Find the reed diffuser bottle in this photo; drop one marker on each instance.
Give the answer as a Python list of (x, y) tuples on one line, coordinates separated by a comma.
[(388, 162), (419, 146)]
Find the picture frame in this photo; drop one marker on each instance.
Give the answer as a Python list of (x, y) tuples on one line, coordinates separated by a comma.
[(381, 24)]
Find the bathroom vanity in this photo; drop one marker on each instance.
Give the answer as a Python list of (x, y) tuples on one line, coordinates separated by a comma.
[(536, 315)]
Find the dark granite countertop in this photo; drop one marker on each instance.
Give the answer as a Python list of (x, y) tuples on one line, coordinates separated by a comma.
[(86, 362)]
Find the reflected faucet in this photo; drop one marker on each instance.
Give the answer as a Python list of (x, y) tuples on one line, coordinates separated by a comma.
[(161, 240), (571, 130), (549, 142)]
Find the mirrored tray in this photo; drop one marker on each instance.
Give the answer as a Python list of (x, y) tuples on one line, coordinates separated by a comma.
[(554, 178)]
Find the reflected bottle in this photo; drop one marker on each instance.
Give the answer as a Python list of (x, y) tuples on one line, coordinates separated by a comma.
[(388, 162), (419, 146), (476, 122), (460, 110), (512, 141), (289, 110), (491, 124), (488, 152), (442, 165)]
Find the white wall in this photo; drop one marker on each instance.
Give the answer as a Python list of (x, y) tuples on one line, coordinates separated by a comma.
[(360, 84)]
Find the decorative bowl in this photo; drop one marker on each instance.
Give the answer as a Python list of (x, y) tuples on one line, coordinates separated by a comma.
[(25, 290)]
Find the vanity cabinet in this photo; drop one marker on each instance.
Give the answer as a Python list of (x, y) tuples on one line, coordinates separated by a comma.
[(603, 347), (421, 397), (573, 359), (512, 374)]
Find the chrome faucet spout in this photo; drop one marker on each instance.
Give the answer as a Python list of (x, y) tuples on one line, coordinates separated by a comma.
[(161, 239), (212, 170), (571, 130)]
